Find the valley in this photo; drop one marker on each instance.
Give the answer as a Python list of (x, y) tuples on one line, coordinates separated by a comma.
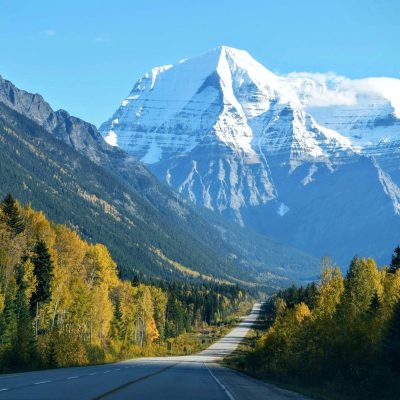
[(199, 200)]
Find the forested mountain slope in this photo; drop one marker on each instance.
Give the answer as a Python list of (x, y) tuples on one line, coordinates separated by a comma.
[(269, 152), (146, 226)]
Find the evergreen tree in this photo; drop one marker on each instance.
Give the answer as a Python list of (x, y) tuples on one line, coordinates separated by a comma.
[(8, 320), (91, 312), (11, 215), (392, 340), (52, 360), (375, 303), (43, 270), (395, 263), (116, 325), (23, 346)]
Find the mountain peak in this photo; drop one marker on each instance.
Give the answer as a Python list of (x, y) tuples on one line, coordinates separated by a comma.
[(224, 51)]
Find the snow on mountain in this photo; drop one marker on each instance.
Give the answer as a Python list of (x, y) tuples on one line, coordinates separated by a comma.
[(223, 101), (230, 135), (367, 111)]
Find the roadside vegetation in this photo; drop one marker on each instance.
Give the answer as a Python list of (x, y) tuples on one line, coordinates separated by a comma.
[(62, 302), (338, 339)]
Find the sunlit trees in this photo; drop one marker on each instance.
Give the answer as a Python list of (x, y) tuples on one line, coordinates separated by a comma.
[(330, 292), (160, 300), (62, 302), (349, 339), (362, 282)]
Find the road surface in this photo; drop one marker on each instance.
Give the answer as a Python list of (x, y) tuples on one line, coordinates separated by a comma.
[(197, 377)]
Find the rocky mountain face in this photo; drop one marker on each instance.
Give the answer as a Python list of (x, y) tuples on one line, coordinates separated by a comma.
[(309, 159), (81, 135), (62, 165)]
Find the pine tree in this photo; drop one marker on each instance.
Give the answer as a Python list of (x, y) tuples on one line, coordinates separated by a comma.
[(11, 215), (23, 343), (395, 263), (375, 303), (392, 340), (43, 271), (52, 359), (8, 320), (116, 325)]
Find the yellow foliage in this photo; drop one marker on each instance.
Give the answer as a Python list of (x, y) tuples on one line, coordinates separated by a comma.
[(330, 291), (301, 312), (152, 333), (99, 267), (391, 287), (1, 301), (38, 227), (28, 278)]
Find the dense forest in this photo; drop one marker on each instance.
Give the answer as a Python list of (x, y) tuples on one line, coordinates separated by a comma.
[(340, 337), (142, 223), (62, 302)]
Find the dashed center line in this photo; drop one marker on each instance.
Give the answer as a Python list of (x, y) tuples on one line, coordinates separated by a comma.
[(41, 382), (118, 369), (73, 377), (106, 371), (93, 373), (3, 389)]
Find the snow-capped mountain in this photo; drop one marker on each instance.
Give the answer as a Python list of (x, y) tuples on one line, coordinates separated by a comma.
[(274, 152), (367, 111)]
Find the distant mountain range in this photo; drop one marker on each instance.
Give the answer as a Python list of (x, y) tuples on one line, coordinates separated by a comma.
[(63, 166), (311, 160)]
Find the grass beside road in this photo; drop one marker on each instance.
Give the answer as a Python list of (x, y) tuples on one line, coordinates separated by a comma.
[(185, 344), (199, 339)]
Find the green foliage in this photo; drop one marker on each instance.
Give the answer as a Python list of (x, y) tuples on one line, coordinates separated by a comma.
[(392, 338), (63, 303), (11, 215), (395, 263), (346, 341), (137, 213), (23, 345), (43, 270)]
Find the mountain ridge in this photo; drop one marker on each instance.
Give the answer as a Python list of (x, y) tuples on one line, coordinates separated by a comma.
[(120, 190), (228, 134)]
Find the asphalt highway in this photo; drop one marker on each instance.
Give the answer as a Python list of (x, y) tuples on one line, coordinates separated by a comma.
[(197, 377)]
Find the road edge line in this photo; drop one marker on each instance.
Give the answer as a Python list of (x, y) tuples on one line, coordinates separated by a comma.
[(223, 387)]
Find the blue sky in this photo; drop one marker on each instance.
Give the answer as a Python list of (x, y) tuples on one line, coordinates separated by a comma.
[(84, 56)]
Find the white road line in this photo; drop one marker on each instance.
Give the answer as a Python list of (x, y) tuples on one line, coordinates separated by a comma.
[(105, 372), (93, 373), (73, 377), (4, 389), (118, 369), (223, 387), (41, 382)]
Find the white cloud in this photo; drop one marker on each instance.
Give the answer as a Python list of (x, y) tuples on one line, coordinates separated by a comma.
[(50, 32), (329, 89)]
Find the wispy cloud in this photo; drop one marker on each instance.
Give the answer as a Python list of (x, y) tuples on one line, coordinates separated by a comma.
[(50, 32), (102, 39), (329, 89)]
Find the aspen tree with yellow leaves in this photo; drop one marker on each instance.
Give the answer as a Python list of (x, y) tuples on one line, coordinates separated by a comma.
[(63, 303)]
